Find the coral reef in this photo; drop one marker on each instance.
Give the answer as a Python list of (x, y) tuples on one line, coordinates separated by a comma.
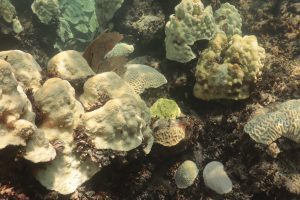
[(227, 68), (77, 24), (61, 114), (87, 138), (77, 21)]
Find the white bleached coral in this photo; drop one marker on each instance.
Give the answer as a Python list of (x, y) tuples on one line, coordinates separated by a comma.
[(121, 123), (191, 22), (216, 178), (26, 70), (141, 77), (16, 114), (56, 100), (38, 149), (120, 49), (102, 87), (69, 65), (60, 113)]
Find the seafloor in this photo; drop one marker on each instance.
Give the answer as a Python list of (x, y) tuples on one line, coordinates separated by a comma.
[(216, 126)]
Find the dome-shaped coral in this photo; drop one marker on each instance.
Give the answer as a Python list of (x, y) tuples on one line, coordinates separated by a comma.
[(186, 174)]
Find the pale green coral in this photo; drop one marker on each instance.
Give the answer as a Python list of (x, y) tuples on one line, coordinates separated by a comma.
[(228, 19), (191, 22), (228, 67), (165, 108), (77, 21), (77, 24)]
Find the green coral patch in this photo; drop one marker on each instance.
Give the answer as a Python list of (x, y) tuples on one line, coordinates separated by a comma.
[(165, 108)]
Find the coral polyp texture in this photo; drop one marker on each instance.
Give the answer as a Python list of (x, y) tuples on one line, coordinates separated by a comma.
[(228, 19), (280, 120), (228, 67), (169, 132), (165, 109), (190, 23), (186, 174), (141, 77)]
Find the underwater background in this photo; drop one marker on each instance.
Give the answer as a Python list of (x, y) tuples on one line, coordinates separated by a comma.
[(149, 99)]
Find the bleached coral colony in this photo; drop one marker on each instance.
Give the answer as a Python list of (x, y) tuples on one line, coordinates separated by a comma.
[(121, 123)]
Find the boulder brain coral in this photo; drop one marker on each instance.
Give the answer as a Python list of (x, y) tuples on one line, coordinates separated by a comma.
[(282, 120), (228, 67)]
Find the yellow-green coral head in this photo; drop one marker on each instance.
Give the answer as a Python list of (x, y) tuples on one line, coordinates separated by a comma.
[(165, 108)]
